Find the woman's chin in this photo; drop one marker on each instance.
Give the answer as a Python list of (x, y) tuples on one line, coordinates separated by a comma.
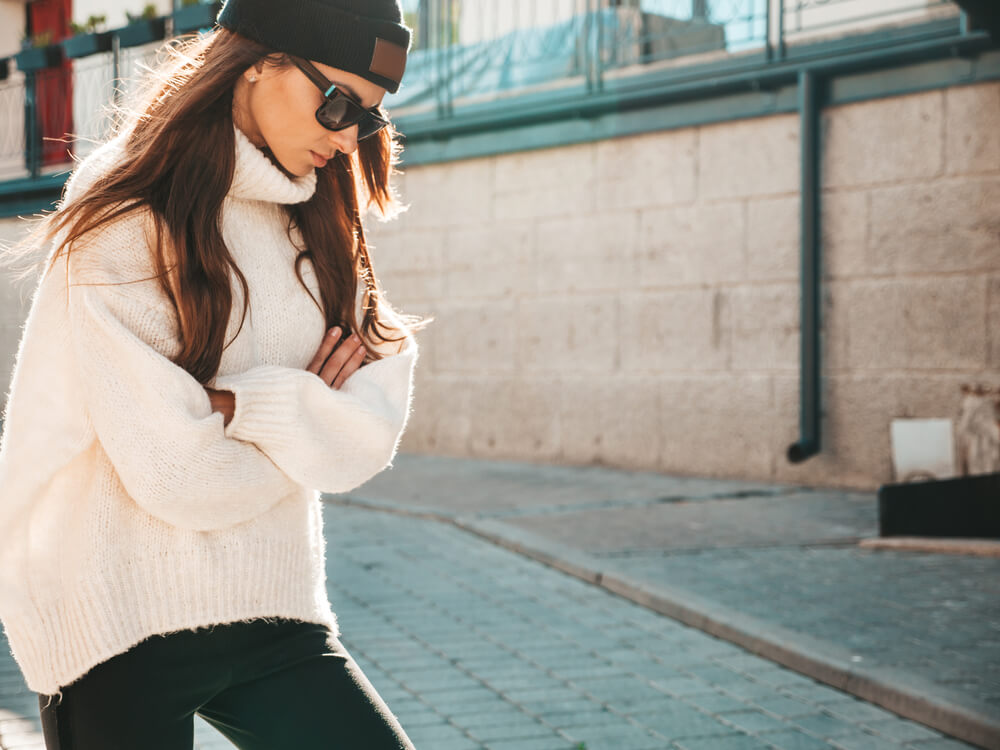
[(298, 169)]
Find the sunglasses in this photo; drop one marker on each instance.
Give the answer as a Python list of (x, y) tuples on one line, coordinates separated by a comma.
[(340, 110)]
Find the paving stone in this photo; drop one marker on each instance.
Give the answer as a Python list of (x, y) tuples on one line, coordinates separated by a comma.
[(522, 728), (944, 743), (858, 711), (791, 739), (434, 733), (678, 721), (753, 721), (623, 736), (783, 706), (716, 702), (863, 741), (824, 725), (732, 742), (681, 686), (814, 692), (491, 716), (542, 743), (902, 730)]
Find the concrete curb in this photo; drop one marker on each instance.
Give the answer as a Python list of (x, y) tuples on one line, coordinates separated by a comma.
[(944, 545), (902, 693)]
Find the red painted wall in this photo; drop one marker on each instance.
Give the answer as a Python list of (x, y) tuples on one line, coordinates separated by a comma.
[(54, 86)]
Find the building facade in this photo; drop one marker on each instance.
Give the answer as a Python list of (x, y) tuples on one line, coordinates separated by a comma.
[(612, 232)]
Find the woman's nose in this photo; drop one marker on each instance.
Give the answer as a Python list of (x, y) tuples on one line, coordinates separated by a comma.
[(345, 140)]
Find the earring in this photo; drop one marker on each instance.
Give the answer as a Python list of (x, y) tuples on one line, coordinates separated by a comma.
[(253, 79)]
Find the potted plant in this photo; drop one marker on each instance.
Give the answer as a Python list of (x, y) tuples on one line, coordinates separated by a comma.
[(142, 29), (38, 51), (86, 39), (194, 15)]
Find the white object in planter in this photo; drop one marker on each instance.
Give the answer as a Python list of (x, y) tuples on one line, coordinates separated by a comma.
[(922, 449)]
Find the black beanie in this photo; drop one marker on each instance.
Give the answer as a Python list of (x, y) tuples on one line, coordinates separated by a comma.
[(365, 37)]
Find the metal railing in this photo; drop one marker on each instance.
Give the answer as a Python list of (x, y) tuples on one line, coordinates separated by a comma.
[(49, 117), (466, 52), (473, 50)]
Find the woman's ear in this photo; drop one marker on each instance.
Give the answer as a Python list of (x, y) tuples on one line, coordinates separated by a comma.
[(254, 73)]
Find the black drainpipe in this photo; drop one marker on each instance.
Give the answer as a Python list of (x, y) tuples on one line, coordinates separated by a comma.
[(810, 106)]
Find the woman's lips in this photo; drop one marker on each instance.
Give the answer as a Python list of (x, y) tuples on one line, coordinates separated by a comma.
[(318, 160)]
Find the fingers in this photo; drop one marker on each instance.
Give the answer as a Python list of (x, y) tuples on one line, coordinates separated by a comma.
[(347, 357), (352, 364), (325, 347)]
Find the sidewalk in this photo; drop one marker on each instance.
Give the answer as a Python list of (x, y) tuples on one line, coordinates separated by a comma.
[(475, 645), (776, 569)]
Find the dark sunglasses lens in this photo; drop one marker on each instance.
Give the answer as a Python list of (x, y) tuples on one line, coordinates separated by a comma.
[(336, 113), (369, 126)]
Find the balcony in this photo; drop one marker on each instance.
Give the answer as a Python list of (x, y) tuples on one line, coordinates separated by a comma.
[(476, 64)]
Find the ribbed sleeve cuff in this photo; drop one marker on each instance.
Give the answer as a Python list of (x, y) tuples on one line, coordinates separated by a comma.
[(267, 401), (270, 398)]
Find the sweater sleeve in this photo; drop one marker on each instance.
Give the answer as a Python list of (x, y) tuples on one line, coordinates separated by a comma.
[(153, 418), (327, 439)]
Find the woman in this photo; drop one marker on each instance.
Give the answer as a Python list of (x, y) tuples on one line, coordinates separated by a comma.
[(169, 430)]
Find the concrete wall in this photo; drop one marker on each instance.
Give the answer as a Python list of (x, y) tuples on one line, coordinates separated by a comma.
[(12, 16), (634, 302)]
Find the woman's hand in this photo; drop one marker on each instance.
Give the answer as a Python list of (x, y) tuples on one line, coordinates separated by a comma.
[(334, 367), (222, 401)]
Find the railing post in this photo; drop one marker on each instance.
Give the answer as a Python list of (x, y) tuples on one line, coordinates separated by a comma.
[(781, 29), (598, 46), (593, 28), (423, 25), (32, 132), (116, 69), (768, 43)]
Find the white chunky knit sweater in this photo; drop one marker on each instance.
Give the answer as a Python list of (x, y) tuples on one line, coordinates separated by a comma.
[(127, 507)]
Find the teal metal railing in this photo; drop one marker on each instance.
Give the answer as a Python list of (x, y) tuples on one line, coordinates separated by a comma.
[(475, 64)]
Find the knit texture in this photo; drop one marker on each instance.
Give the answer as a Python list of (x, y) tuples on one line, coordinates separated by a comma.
[(128, 508)]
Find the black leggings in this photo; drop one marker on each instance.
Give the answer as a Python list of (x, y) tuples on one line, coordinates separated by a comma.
[(265, 685)]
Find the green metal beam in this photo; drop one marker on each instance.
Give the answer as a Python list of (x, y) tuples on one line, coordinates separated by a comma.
[(860, 67)]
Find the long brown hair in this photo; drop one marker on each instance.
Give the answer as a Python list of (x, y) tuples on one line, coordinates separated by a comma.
[(182, 122)]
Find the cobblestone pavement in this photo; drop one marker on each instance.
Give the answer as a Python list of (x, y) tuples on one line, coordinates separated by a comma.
[(778, 562), (475, 646)]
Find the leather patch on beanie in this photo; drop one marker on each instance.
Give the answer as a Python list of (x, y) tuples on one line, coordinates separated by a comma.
[(388, 59)]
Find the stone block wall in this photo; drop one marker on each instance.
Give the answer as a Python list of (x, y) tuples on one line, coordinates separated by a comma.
[(634, 302)]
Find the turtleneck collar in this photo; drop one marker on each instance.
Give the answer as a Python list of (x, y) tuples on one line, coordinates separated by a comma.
[(257, 178)]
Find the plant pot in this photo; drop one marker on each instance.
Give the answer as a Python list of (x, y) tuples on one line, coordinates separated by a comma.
[(954, 507), (141, 32), (38, 58), (82, 45), (194, 17), (4, 68)]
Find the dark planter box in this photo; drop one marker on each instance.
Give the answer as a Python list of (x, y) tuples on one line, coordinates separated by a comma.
[(4, 67), (37, 58), (958, 507), (194, 17), (141, 32), (82, 45)]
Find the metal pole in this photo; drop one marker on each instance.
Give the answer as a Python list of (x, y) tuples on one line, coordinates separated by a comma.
[(809, 337), (598, 48), (32, 130), (423, 24), (116, 68), (768, 44), (781, 29)]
